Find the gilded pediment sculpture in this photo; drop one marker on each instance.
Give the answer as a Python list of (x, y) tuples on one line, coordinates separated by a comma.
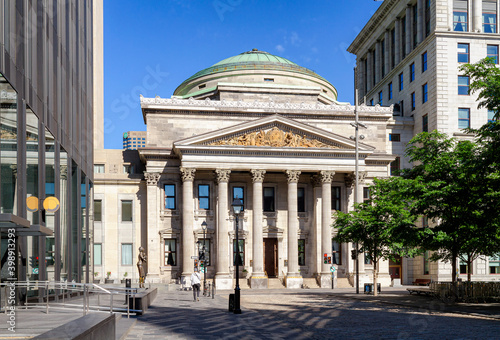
[(275, 138)]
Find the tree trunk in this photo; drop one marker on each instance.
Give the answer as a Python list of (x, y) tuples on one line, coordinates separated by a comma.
[(469, 267), (375, 272), (454, 274)]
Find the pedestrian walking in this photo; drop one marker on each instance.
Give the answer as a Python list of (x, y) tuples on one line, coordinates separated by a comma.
[(195, 283)]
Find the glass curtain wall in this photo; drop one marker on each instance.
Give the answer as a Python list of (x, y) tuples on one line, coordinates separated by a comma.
[(63, 216), (83, 227), (49, 217), (32, 193)]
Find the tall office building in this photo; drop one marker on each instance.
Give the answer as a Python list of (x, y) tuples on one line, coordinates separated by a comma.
[(47, 58), (134, 139), (408, 55)]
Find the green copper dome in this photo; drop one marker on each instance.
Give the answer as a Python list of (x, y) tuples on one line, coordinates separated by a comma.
[(251, 62)]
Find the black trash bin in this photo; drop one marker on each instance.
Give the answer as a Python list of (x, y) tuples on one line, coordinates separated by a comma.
[(231, 302)]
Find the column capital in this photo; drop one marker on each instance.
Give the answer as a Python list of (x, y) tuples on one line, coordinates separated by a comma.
[(326, 176), (315, 180), (187, 174), (293, 175), (152, 178), (222, 175), (350, 178), (257, 175)]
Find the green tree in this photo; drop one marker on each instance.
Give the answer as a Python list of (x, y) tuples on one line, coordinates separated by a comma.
[(383, 225)]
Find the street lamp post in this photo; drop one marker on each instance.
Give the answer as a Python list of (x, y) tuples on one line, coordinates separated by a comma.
[(204, 227), (237, 207)]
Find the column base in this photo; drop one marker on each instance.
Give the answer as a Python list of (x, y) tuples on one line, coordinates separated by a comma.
[(294, 281), (325, 280), (258, 282), (186, 281), (223, 281)]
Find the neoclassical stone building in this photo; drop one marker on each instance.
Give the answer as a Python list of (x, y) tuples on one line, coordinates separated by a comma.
[(263, 129)]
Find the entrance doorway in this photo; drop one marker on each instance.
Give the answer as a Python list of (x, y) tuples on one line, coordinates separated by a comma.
[(271, 257), (395, 267)]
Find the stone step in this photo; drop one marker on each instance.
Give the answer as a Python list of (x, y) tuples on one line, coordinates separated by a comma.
[(275, 283), (343, 282), (310, 282)]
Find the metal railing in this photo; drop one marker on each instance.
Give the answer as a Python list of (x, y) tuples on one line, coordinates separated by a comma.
[(65, 295)]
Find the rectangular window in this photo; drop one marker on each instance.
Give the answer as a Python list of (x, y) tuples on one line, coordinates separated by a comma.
[(389, 88), (463, 53), (239, 192), (412, 72), (204, 251), (463, 118), (394, 137), (424, 62), (269, 199), (301, 199), (126, 211), (402, 107), (98, 168), (269, 80), (425, 221), (395, 166), (240, 250), (371, 102), (380, 98), (203, 197), (491, 116), (366, 194), (425, 123), (302, 252), (463, 266), (365, 75), (401, 82), (427, 17), (374, 64), (489, 16), (128, 169), (463, 85), (403, 36), (460, 15), (170, 252), (97, 254), (126, 254), (97, 210), (492, 52), (427, 263), (170, 196), (494, 264), (368, 259), (336, 253), (424, 93), (393, 48), (336, 202), (415, 26), (413, 101)]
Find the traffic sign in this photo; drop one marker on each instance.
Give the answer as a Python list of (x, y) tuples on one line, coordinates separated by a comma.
[(194, 257), (333, 269)]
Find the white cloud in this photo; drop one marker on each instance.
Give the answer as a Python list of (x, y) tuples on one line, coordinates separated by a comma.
[(280, 48)]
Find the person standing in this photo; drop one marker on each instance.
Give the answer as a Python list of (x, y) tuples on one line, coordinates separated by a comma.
[(195, 283)]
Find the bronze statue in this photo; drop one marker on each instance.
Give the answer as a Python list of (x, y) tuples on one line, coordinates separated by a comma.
[(140, 266)]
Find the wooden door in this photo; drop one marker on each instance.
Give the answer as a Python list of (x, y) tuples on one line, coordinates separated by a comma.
[(271, 256)]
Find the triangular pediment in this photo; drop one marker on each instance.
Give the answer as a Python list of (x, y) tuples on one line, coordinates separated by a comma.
[(273, 131)]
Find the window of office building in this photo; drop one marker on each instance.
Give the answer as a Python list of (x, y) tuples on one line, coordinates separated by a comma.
[(393, 47), (427, 263), (463, 118), (239, 192), (415, 25), (98, 168), (380, 98), (389, 90), (365, 75), (269, 199), (463, 53), (403, 36), (494, 264), (371, 102), (204, 250), (394, 137), (489, 16), (463, 85), (491, 116), (170, 196), (203, 197), (412, 72), (127, 254), (382, 57), (366, 194), (401, 81), (424, 62), (97, 254), (460, 15), (395, 166), (170, 252), (427, 17), (336, 199), (413, 101), (424, 93), (97, 210), (368, 259), (301, 200), (425, 123), (463, 265), (302, 252), (492, 52), (128, 168), (336, 253), (126, 211), (240, 250)]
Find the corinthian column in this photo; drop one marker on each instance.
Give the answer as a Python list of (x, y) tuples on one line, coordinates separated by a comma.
[(326, 220), (222, 278), (293, 278), (258, 279), (153, 239), (187, 176)]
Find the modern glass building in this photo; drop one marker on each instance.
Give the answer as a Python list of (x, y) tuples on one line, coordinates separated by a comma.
[(46, 136)]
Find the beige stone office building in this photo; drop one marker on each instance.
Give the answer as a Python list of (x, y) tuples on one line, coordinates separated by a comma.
[(408, 56), (260, 128)]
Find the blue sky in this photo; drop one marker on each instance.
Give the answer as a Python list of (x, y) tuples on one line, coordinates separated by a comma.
[(150, 47)]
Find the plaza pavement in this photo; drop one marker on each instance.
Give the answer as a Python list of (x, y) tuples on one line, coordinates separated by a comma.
[(288, 314)]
